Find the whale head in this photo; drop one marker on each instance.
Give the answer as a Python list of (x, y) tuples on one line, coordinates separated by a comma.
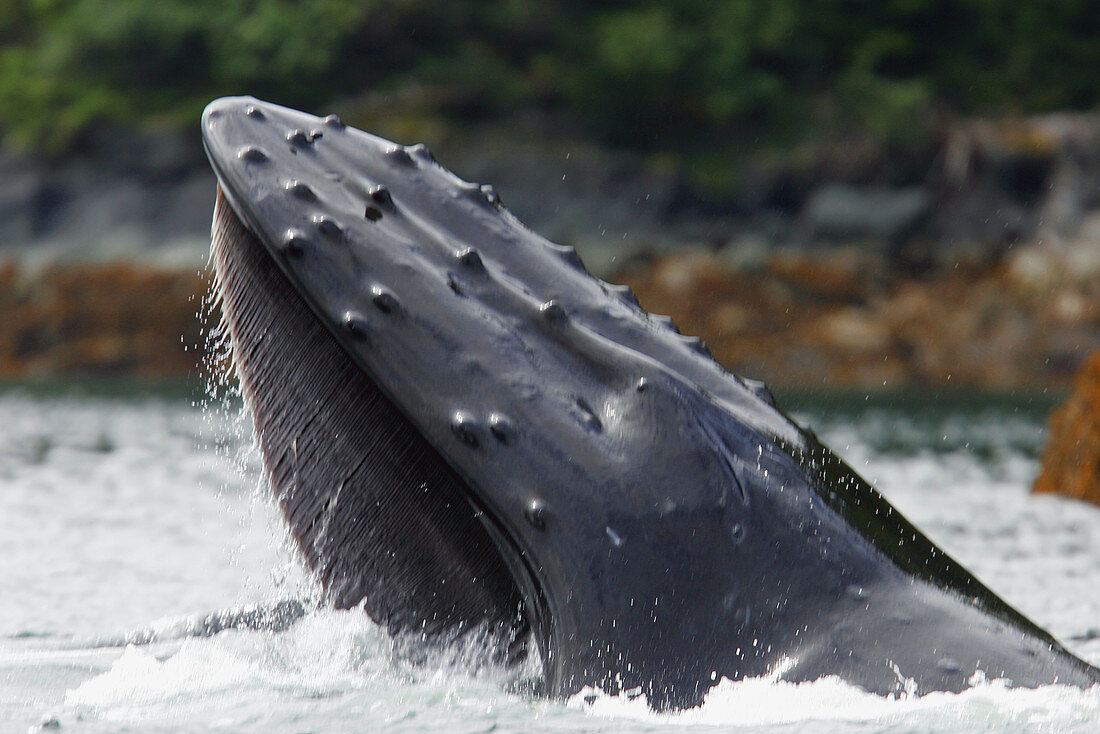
[(466, 431)]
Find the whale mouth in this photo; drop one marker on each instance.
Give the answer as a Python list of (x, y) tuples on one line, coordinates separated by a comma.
[(381, 518)]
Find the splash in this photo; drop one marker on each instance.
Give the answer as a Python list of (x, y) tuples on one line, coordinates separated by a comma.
[(339, 661), (830, 704)]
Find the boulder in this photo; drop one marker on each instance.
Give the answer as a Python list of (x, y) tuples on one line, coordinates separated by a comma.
[(840, 212), (1071, 460)]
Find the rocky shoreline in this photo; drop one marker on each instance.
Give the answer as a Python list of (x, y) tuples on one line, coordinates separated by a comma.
[(1071, 460), (974, 267), (974, 264), (974, 191), (846, 320), (841, 320), (106, 320)]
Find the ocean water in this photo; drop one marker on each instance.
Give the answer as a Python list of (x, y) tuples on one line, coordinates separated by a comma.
[(125, 515)]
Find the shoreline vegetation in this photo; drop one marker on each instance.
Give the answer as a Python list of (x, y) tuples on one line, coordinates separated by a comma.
[(686, 77), (926, 131)]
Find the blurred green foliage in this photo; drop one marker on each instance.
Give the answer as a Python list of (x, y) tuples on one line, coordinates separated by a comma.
[(673, 75)]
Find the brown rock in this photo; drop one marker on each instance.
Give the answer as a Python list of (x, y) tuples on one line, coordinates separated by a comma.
[(841, 321), (845, 276), (108, 319), (853, 330), (1071, 460)]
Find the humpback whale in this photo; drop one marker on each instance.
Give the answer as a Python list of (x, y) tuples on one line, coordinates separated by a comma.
[(465, 431)]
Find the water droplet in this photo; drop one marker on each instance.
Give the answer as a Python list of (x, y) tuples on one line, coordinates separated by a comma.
[(254, 112), (616, 539), (298, 138), (334, 121)]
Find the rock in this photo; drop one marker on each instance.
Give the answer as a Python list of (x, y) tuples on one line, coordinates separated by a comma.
[(21, 185), (976, 195), (100, 320), (1071, 459), (849, 321), (853, 330), (844, 213), (846, 275), (124, 194)]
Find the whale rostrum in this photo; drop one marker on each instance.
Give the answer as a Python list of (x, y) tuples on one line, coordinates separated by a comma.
[(466, 431)]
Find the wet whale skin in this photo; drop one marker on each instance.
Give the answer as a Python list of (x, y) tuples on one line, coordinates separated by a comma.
[(584, 479)]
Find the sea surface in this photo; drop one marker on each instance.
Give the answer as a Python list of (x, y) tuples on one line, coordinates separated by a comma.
[(128, 516)]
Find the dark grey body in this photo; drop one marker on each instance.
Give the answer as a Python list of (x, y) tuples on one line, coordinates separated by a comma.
[(645, 517)]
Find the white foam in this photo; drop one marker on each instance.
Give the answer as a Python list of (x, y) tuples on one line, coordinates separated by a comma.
[(139, 678), (338, 661), (836, 705)]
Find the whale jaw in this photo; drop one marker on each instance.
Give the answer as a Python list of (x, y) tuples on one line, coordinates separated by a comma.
[(378, 515)]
